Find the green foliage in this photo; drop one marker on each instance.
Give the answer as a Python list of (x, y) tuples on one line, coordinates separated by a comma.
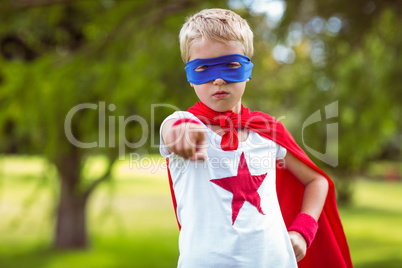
[(123, 53), (346, 54), (88, 72), (373, 106), (367, 87), (126, 53), (358, 67)]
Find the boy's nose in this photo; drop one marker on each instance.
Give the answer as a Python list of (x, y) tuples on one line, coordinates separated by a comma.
[(219, 82)]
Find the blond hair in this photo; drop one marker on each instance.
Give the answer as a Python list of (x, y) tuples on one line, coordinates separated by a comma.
[(216, 24)]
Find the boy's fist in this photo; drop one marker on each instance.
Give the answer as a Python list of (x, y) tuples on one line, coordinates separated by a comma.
[(187, 140), (299, 245)]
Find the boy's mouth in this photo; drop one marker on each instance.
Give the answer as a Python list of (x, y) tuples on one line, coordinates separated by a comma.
[(220, 94)]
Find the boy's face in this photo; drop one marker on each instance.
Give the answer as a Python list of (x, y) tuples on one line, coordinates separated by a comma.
[(217, 94)]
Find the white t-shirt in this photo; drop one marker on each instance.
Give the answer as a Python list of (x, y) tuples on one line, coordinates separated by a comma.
[(218, 230)]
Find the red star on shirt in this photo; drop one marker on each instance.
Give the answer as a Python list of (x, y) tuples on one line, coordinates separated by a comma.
[(243, 186)]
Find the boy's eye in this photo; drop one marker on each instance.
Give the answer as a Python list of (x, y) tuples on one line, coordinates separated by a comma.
[(233, 65), (201, 68)]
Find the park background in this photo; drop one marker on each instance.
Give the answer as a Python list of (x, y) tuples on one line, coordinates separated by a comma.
[(85, 85)]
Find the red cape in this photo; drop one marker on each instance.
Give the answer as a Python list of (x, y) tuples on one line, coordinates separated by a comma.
[(329, 248)]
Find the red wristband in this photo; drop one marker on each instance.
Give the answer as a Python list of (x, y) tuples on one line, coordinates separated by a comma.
[(306, 225), (185, 120)]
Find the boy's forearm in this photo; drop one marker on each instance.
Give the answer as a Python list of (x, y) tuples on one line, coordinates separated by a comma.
[(315, 185), (315, 194)]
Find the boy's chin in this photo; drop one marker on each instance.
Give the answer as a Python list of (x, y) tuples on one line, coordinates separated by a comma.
[(224, 108)]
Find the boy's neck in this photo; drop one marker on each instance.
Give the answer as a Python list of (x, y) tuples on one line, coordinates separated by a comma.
[(236, 109)]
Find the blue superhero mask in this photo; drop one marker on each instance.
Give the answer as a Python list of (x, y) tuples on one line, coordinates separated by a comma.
[(218, 67)]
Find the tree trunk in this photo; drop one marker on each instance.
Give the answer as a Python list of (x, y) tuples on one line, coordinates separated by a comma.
[(70, 232), (344, 186), (71, 229)]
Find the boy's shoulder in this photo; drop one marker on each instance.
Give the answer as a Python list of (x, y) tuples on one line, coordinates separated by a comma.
[(181, 114)]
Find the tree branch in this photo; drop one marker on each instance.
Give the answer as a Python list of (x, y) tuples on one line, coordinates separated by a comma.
[(35, 3), (151, 18), (166, 11), (101, 179)]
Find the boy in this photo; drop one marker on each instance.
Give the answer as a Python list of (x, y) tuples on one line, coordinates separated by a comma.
[(224, 169)]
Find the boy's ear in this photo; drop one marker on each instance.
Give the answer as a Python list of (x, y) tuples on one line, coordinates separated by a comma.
[(248, 79), (191, 84)]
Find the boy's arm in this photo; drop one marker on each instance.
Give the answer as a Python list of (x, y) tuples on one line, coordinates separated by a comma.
[(186, 139), (315, 194)]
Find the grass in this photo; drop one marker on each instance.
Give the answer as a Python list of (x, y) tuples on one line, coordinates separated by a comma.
[(373, 224), (132, 223)]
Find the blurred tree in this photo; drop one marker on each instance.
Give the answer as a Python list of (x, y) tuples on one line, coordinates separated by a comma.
[(340, 52), (354, 52), (78, 78), (89, 72)]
